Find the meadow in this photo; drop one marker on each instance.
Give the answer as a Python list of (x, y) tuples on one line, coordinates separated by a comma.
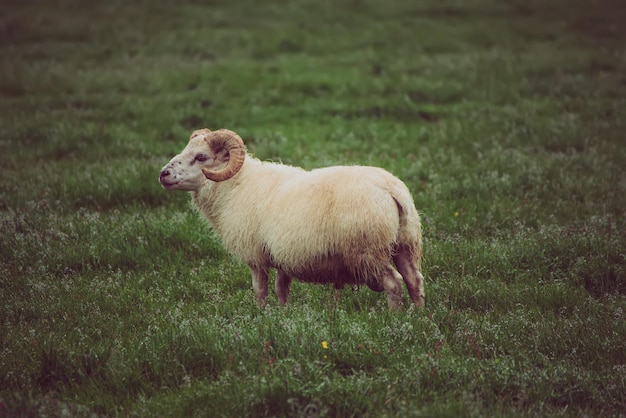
[(505, 119)]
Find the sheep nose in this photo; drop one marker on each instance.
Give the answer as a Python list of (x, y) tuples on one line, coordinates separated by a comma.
[(164, 173)]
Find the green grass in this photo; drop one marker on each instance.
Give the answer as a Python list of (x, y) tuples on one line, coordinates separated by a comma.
[(505, 118)]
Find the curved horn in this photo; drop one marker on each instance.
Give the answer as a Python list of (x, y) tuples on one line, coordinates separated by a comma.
[(224, 139)]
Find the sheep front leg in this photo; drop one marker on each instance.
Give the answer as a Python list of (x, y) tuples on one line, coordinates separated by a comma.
[(259, 284), (283, 281)]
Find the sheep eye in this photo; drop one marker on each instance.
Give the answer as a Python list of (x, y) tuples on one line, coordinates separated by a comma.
[(201, 157)]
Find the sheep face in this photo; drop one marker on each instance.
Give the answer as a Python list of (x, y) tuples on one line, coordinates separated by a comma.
[(209, 155)]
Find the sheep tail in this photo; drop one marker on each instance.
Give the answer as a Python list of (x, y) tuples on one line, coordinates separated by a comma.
[(409, 237)]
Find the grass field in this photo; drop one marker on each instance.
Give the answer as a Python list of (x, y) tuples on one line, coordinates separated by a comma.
[(506, 119)]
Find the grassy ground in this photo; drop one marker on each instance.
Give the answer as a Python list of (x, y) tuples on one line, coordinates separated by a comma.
[(505, 118)]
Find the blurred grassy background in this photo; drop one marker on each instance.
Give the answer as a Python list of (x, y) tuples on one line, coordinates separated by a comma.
[(504, 118)]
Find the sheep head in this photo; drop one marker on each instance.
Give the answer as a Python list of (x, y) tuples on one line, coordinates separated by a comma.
[(213, 155)]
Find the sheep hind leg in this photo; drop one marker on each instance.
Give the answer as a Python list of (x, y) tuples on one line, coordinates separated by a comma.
[(412, 277), (259, 284), (392, 284), (283, 281)]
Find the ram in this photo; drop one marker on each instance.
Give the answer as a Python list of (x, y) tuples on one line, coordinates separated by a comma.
[(340, 225)]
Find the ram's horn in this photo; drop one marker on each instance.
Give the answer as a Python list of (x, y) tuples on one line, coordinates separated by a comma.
[(224, 139)]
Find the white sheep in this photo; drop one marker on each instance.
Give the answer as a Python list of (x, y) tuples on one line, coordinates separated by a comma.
[(339, 225)]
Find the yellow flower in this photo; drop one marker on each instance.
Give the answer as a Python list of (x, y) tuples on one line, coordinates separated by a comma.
[(456, 214), (324, 345)]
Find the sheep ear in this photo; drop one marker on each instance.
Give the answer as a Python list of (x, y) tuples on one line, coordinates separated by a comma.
[(199, 132), (230, 145)]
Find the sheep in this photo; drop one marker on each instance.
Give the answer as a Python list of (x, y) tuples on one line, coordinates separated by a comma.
[(340, 225)]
